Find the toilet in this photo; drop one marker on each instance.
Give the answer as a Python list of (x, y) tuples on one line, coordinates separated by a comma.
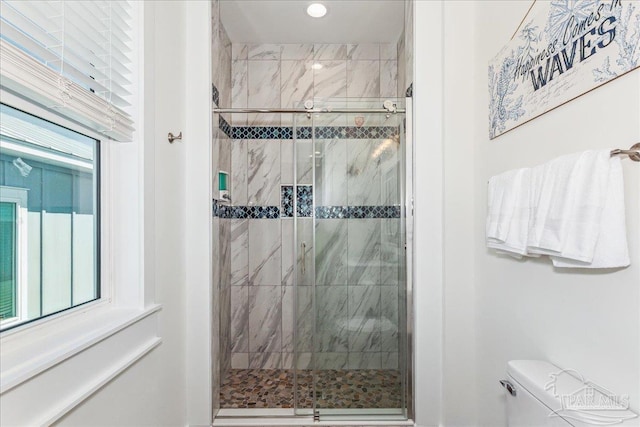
[(539, 394)]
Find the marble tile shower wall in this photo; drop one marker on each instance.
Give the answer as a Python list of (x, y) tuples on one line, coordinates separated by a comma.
[(405, 53), (285, 75), (356, 258), (221, 228)]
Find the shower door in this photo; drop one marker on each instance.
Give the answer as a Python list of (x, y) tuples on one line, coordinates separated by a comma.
[(350, 289)]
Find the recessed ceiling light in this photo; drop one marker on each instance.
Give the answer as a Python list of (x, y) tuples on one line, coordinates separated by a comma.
[(317, 66), (316, 10)]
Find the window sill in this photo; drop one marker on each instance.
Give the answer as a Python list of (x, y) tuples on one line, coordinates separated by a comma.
[(27, 353)]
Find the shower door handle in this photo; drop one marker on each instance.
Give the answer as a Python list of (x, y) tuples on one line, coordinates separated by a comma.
[(304, 257)]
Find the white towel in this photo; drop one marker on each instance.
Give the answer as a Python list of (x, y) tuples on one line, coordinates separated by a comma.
[(611, 249), (535, 192), (587, 196), (508, 217), (574, 208), (499, 206), (547, 226)]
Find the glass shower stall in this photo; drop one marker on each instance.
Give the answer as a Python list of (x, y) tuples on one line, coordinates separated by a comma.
[(343, 334)]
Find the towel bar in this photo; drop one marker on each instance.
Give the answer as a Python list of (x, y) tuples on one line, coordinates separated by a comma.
[(633, 152)]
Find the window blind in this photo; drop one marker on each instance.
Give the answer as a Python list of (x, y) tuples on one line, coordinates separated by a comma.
[(72, 56)]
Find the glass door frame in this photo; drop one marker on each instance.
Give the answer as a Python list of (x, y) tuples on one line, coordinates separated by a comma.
[(298, 411), (405, 327)]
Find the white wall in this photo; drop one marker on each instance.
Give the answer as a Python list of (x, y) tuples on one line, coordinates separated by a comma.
[(428, 212), (153, 390), (445, 266), (197, 144), (162, 389), (459, 351), (496, 309), (583, 320)]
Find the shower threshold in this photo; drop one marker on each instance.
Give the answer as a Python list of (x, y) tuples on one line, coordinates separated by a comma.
[(328, 417)]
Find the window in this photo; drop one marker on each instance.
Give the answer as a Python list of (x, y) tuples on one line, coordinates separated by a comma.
[(97, 149), (49, 218), (73, 63)]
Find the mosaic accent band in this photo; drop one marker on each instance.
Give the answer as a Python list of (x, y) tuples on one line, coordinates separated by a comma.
[(215, 208), (304, 201), (225, 126), (245, 212), (321, 132), (357, 212), (305, 132), (286, 201), (409, 92), (215, 95), (304, 209)]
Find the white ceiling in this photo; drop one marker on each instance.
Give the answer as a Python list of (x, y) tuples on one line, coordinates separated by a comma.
[(286, 21)]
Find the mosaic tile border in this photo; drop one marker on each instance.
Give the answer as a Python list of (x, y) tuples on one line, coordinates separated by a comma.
[(304, 198), (322, 212), (357, 212), (251, 212), (215, 208), (286, 201), (215, 95), (306, 132), (332, 212), (225, 126), (304, 201), (261, 132), (245, 212)]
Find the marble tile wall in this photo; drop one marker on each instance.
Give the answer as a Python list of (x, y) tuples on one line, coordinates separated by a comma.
[(286, 75), (402, 66), (408, 24), (356, 258), (405, 53)]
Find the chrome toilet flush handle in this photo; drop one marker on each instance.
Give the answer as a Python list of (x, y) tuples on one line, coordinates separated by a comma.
[(510, 388)]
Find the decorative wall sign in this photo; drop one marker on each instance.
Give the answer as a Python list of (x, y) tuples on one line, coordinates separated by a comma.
[(563, 49)]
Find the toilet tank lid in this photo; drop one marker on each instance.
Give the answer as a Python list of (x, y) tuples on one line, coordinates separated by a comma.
[(534, 376), (561, 389)]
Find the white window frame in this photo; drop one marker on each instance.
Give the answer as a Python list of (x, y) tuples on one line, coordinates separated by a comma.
[(35, 347), (18, 196), (28, 107), (106, 265)]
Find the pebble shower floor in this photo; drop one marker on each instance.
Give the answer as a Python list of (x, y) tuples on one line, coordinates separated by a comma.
[(337, 389)]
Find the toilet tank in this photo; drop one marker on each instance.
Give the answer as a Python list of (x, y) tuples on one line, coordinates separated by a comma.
[(540, 394)]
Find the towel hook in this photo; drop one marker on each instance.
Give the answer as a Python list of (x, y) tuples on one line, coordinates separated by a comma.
[(633, 152), (171, 137)]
